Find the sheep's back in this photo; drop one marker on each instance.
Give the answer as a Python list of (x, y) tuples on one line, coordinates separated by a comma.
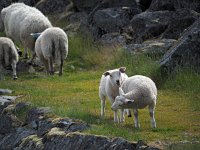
[(142, 89)]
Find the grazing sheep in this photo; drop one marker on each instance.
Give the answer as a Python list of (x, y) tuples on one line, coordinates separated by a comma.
[(8, 55), (109, 86), (52, 46), (20, 21), (137, 92)]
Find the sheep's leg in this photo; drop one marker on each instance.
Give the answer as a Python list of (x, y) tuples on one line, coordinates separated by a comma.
[(115, 112), (32, 57), (2, 73), (151, 113), (115, 116), (136, 121), (25, 52), (46, 64), (14, 70), (128, 112), (122, 117), (51, 71), (61, 68), (103, 102)]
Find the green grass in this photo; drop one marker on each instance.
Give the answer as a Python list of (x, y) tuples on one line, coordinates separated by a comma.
[(75, 94)]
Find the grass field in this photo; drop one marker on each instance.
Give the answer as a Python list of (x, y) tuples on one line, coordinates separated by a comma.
[(75, 94)]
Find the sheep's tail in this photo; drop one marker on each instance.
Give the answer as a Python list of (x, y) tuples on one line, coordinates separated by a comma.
[(61, 49), (10, 55)]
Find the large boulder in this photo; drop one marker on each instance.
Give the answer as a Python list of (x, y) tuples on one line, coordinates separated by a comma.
[(52, 6), (89, 5), (29, 2), (113, 19), (182, 20), (149, 25), (157, 5), (58, 140), (186, 52)]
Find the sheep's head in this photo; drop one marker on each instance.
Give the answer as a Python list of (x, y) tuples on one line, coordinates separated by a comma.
[(116, 75), (121, 102)]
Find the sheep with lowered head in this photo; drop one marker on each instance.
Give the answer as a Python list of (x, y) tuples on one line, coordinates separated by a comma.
[(52, 46), (109, 87), (8, 56), (137, 92), (20, 21)]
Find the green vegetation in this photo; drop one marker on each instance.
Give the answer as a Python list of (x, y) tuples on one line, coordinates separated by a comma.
[(75, 94)]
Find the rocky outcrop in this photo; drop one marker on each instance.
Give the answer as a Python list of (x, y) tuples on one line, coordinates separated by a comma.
[(186, 52), (54, 7), (172, 5), (44, 131), (29, 2), (149, 25), (113, 19)]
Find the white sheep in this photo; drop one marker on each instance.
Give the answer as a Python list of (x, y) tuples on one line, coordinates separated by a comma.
[(137, 92), (8, 56), (20, 21), (109, 87), (52, 46)]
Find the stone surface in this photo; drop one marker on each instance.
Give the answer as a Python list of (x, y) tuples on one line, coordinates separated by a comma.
[(148, 25), (157, 5), (78, 141), (113, 19), (12, 140), (53, 6), (155, 47), (29, 2), (186, 52), (5, 91)]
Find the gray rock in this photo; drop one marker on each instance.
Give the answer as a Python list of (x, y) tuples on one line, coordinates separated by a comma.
[(12, 140), (8, 123), (113, 19), (89, 5), (31, 142), (5, 91), (186, 52), (66, 124), (111, 39), (23, 66), (184, 19), (53, 7), (157, 5), (149, 25), (35, 114), (153, 47), (29, 2), (78, 141)]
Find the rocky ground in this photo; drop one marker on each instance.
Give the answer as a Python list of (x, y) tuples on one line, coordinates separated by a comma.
[(40, 129)]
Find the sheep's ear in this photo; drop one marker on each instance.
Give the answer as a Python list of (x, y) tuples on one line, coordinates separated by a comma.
[(106, 73), (129, 102), (121, 92), (122, 69)]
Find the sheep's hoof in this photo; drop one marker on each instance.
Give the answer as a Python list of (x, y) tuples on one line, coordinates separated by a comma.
[(51, 73), (15, 78)]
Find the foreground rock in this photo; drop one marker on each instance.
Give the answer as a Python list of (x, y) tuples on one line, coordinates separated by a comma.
[(186, 52), (43, 131)]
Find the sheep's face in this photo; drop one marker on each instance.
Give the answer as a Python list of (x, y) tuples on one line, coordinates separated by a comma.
[(116, 75), (121, 103)]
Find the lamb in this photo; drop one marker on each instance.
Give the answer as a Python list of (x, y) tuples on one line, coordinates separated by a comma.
[(137, 92), (20, 21), (109, 87), (8, 55), (52, 46)]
